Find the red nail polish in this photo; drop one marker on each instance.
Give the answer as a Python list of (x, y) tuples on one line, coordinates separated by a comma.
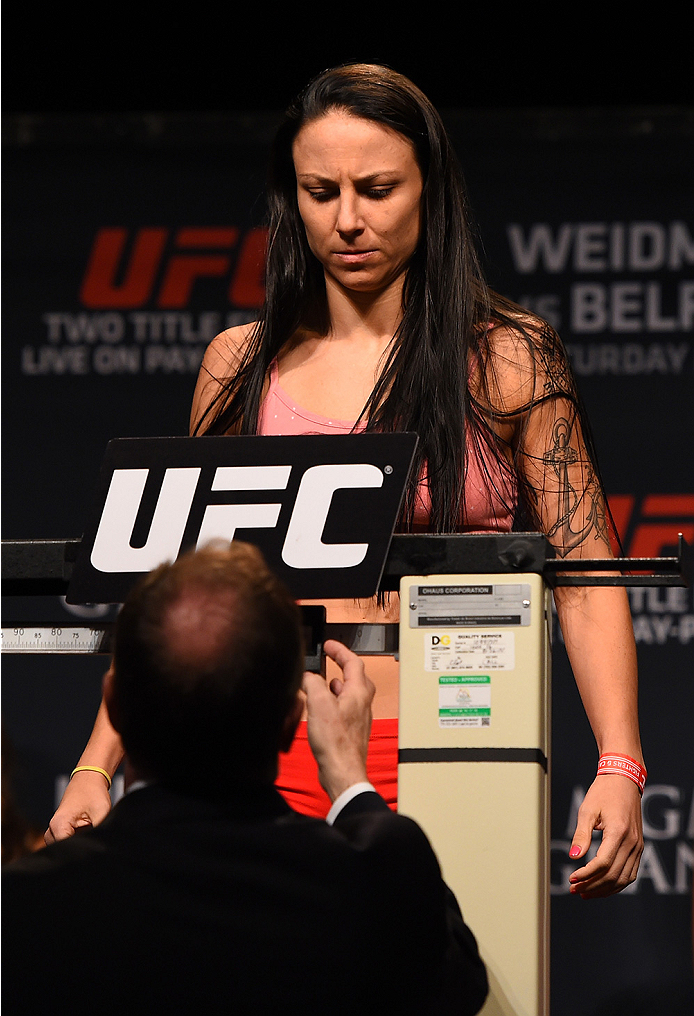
[(574, 852)]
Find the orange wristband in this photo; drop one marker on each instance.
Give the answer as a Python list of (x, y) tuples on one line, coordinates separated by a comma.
[(623, 765)]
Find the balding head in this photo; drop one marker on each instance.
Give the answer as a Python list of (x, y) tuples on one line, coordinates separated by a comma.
[(199, 626), (207, 665)]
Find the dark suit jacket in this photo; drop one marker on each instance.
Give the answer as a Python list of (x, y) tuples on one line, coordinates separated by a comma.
[(179, 905)]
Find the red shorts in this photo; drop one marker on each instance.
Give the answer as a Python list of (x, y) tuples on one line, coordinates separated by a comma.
[(297, 780)]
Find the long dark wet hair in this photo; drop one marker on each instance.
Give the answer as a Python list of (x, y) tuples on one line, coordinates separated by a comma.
[(448, 310)]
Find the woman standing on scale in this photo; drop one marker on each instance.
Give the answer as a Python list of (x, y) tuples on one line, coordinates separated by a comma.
[(377, 318)]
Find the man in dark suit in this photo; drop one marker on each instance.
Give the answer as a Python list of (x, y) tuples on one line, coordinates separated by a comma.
[(202, 891)]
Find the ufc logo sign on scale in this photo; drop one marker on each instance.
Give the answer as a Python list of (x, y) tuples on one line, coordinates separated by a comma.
[(321, 508)]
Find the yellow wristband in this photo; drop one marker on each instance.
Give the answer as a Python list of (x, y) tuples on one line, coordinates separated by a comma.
[(92, 769)]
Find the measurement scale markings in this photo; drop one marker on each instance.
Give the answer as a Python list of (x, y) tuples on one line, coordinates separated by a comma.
[(52, 640)]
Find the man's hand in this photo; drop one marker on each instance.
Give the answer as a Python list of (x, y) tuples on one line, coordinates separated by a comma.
[(86, 802), (339, 721)]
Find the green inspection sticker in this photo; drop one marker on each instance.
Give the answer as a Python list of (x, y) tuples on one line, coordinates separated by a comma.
[(465, 700)]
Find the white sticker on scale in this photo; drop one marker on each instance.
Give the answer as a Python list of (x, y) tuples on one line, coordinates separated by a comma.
[(460, 651), (465, 701)]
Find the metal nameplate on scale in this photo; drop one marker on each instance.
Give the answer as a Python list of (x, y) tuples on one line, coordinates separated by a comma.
[(469, 605)]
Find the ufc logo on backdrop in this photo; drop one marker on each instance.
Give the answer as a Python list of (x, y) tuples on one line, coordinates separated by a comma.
[(648, 525), (160, 267), (321, 508)]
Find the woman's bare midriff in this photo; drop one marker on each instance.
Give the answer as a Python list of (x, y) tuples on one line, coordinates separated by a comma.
[(382, 670)]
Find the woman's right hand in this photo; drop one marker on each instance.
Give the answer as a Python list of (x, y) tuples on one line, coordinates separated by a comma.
[(86, 802)]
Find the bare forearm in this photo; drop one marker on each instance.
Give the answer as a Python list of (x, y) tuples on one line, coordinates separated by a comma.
[(104, 747), (86, 800), (598, 634)]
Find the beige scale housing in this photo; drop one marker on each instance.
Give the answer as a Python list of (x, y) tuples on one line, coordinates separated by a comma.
[(474, 744)]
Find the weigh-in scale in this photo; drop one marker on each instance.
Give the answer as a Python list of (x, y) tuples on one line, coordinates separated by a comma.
[(474, 649)]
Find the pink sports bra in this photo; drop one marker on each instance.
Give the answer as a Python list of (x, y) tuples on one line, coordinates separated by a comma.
[(485, 509)]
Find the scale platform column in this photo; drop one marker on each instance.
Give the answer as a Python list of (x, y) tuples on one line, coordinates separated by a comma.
[(474, 736)]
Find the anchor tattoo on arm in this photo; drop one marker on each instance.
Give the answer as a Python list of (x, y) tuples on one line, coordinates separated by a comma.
[(578, 512)]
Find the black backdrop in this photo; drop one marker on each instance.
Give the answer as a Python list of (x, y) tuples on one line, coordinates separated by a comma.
[(585, 212)]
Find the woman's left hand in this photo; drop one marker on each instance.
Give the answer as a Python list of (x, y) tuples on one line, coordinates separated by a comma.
[(613, 806)]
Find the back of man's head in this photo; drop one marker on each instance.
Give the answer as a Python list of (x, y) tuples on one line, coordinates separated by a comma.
[(208, 658)]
